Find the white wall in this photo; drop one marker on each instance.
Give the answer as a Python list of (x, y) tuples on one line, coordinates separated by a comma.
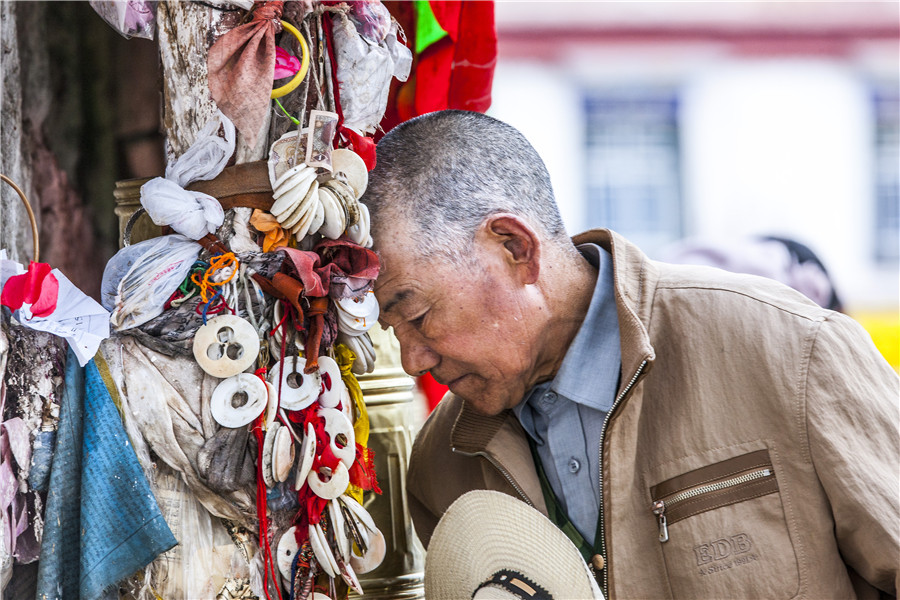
[(545, 105), (786, 148), (778, 147)]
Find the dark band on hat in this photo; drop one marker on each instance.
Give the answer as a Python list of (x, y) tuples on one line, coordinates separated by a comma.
[(516, 584)]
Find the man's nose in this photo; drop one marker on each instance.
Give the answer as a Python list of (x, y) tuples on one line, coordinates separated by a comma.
[(416, 356)]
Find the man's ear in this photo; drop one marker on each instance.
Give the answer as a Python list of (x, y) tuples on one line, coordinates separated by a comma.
[(518, 242)]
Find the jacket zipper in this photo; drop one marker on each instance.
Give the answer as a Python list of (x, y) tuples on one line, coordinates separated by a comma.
[(618, 399), (659, 506), (500, 468)]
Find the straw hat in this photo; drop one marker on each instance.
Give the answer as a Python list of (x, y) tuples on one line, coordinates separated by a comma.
[(491, 546)]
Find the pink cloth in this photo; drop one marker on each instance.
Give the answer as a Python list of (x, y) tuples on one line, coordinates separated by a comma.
[(241, 64), (338, 268)]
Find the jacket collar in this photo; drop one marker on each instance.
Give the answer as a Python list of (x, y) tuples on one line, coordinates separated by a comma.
[(634, 279)]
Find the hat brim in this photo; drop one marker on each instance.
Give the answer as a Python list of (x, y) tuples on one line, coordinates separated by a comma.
[(484, 532)]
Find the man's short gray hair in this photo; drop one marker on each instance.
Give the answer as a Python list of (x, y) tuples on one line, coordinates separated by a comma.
[(445, 172)]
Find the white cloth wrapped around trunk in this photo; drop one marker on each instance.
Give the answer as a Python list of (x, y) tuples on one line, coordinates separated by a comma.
[(192, 214)]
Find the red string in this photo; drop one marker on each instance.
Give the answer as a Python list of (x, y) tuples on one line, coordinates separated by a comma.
[(261, 509)]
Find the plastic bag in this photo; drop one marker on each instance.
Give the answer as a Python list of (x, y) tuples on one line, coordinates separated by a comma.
[(192, 214), (372, 19), (131, 18), (207, 156), (364, 72), (159, 267)]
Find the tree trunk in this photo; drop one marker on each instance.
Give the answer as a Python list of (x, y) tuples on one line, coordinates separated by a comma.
[(186, 32)]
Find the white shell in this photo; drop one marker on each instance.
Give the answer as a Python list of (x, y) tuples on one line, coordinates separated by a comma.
[(373, 556), (323, 553), (368, 347), (356, 325), (288, 198), (225, 346), (282, 455), (295, 398), (295, 177), (287, 548), (291, 216), (340, 533), (271, 404), (267, 454), (221, 406), (337, 423), (309, 206), (360, 513), (334, 487), (307, 456), (332, 384), (318, 218), (359, 232), (353, 168), (334, 223), (350, 577), (347, 404), (367, 306), (287, 151), (349, 203), (361, 345)]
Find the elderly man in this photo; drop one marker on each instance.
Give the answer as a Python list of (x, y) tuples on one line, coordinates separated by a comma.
[(695, 433)]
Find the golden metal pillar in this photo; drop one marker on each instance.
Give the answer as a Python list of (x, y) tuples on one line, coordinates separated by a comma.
[(395, 414)]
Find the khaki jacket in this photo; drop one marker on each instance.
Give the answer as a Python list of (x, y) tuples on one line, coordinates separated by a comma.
[(778, 419)]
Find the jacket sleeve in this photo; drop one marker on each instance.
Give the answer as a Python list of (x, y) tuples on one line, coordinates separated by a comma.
[(854, 439)]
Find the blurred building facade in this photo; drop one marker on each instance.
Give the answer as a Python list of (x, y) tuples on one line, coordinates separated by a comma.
[(718, 120)]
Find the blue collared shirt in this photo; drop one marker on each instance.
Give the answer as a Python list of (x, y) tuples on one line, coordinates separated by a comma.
[(565, 416)]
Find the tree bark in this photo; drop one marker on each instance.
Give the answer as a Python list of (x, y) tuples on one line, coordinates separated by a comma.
[(186, 32)]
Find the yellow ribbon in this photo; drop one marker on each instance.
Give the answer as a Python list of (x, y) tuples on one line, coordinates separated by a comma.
[(345, 357)]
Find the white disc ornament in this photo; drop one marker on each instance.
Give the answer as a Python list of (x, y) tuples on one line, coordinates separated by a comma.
[(340, 434), (324, 555), (348, 165), (367, 306), (329, 485), (226, 346), (332, 384), (282, 455), (298, 389), (350, 577), (373, 555), (238, 400), (268, 453), (287, 549), (271, 404), (340, 533), (307, 456)]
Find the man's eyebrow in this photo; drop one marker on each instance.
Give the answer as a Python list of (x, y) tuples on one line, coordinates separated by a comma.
[(395, 300)]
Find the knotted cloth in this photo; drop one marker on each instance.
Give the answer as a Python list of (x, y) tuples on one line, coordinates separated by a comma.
[(241, 66)]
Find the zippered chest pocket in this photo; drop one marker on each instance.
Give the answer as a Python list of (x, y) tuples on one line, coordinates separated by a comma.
[(723, 533)]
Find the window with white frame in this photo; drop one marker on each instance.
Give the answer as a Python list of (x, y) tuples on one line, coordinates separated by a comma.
[(633, 167)]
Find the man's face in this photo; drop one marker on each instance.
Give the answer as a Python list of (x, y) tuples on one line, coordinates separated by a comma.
[(467, 325)]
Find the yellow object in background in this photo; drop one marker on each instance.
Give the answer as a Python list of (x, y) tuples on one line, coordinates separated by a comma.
[(884, 327)]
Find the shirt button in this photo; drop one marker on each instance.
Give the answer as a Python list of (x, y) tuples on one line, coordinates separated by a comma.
[(574, 465), (550, 397)]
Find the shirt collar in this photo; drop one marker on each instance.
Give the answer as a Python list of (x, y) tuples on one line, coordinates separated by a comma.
[(589, 373)]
